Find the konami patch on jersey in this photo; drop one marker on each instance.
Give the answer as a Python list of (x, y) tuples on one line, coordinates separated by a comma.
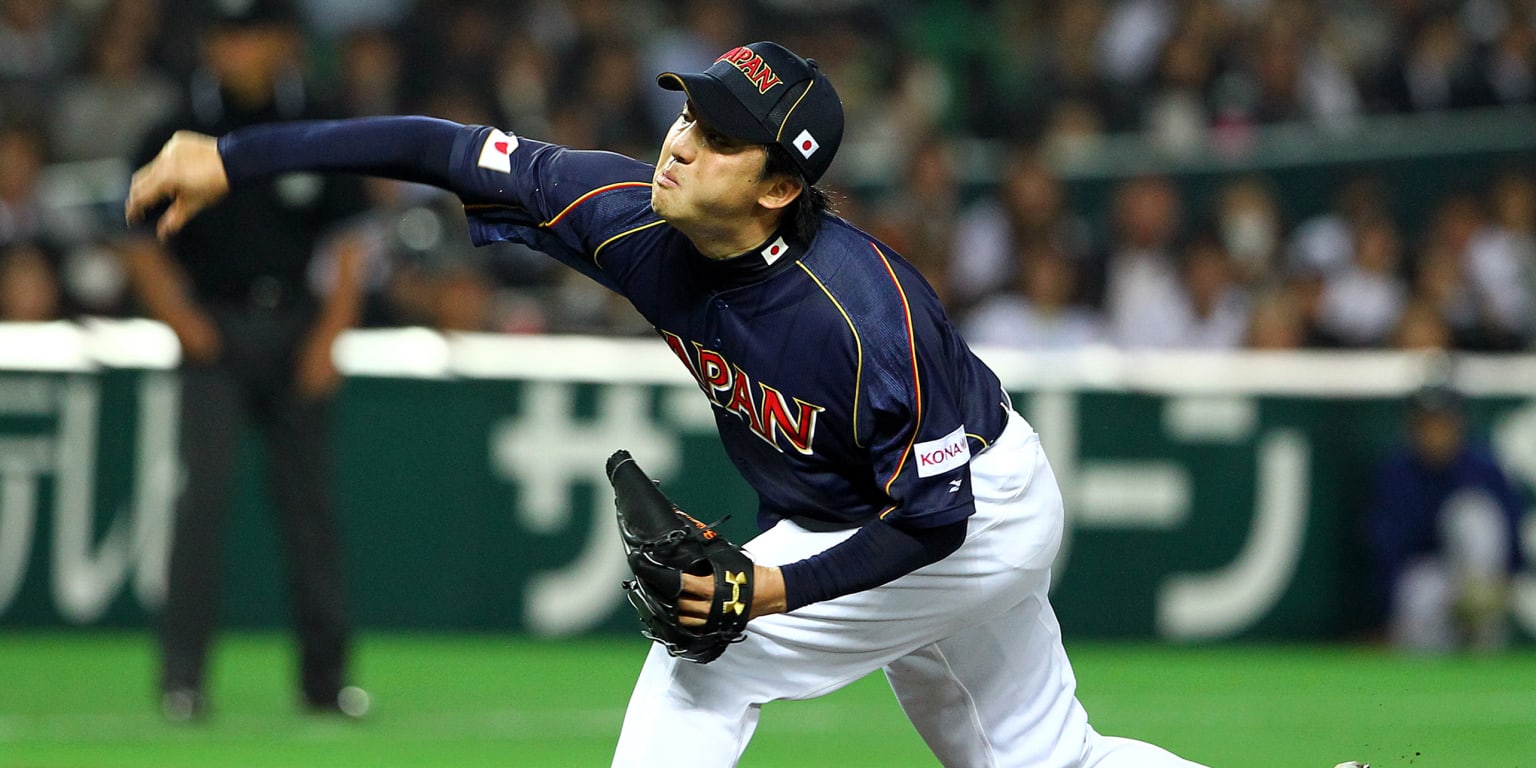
[(495, 154), (936, 457)]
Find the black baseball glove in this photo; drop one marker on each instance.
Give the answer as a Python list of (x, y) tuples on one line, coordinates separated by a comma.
[(663, 543)]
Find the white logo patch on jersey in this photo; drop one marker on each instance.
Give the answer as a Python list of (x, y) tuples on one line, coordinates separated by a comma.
[(807, 144), (494, 153), (775, 250), (936, 457)]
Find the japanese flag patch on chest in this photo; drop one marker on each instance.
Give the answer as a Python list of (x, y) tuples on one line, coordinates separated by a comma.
[(496, 152)]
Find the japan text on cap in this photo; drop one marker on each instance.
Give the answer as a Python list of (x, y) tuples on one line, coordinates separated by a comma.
[(765, 94)]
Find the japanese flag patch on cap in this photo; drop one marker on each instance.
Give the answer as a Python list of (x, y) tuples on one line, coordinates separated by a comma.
[(495, 153), (806, 144)]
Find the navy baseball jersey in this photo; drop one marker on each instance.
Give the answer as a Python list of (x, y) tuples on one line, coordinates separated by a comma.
[(840, 389)]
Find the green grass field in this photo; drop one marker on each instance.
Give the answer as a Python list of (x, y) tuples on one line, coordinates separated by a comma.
[(80, 700)]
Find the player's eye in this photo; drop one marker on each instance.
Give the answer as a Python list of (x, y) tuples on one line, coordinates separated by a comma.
[(708, 136)]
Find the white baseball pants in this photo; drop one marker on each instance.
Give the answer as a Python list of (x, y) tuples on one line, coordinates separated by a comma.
[(969, 644)]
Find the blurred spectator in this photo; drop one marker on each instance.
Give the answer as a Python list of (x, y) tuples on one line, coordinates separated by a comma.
[(1435, 68), (29, 287), (1175, 112), (1361, 303), (1072, 97), (24, 216), (371, 63), (452, 45), (1132, 34), (1303, 287), (1027, 210), (1295, 78), (1509, 65), (1474, 269), (37, 46), (1144, 298), (1442, 530), (1440, 286), (1276, 321), (525, 74), (105, 111), (892, 113), (1041, 312), (1325, 243), (1422, 328), (1074, 131), (1251, 226), (1501, 261), (603, 80), (1218, 303)]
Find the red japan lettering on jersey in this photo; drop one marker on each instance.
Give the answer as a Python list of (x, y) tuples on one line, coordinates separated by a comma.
[(769, 415), (753, 66)]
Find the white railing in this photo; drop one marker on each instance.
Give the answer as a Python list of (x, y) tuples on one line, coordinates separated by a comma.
[(94, 344)]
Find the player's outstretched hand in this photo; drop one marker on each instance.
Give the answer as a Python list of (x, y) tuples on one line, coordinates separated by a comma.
[(188, 174)]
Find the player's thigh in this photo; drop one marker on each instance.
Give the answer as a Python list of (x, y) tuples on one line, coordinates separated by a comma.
[(1000, 693)]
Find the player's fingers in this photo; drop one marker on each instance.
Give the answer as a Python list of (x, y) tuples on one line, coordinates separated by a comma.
[(172, 220), (145, 190), (692, 612), (698, 586)]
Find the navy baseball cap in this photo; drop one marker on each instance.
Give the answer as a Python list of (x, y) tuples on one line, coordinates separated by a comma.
[(766, 94)]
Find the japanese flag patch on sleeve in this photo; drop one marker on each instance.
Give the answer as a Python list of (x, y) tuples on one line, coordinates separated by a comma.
[(495, 154)]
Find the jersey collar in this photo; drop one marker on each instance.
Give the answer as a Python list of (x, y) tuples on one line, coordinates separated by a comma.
[(778, 253)]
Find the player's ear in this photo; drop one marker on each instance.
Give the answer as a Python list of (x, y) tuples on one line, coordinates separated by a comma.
[(778, 191)]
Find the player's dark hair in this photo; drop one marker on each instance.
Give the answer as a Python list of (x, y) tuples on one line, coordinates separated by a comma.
[(803, 218)]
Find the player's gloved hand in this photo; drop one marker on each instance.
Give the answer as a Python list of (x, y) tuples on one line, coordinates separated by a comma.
[(664, 545), (698, 593), (188, 174)]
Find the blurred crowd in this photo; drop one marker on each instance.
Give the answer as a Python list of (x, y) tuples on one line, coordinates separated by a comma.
[(82, 82)]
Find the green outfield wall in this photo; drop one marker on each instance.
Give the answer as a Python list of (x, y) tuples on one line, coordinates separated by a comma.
[(1209, 497)]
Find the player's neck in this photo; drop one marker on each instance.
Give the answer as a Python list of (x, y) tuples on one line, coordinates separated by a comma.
[(722, 240)]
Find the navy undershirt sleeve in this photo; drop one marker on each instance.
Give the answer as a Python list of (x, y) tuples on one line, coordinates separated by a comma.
[(406, 148), (879, 552)]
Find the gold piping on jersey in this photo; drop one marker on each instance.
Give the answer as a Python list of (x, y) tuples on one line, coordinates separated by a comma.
[(625, 233), (917, 384), (858, 376), (584, 198)]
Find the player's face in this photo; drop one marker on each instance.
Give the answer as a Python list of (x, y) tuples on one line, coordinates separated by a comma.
[(706, 178)]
